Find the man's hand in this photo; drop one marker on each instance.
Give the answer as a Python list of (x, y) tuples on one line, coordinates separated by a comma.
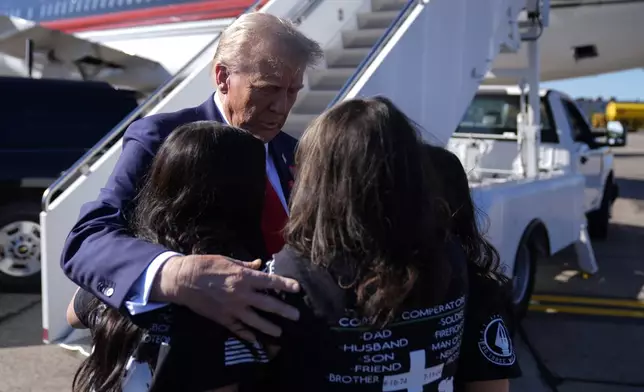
[(225, 291)]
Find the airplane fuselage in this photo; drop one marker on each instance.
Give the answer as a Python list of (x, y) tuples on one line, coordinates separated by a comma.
[(584, 37)]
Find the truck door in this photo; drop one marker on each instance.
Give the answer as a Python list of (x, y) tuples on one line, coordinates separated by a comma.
[(588, 153)]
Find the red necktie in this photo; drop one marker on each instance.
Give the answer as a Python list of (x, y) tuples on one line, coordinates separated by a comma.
[(273, 220)]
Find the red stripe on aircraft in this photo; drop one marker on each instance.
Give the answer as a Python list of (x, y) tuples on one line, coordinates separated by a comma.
[(190, 12)]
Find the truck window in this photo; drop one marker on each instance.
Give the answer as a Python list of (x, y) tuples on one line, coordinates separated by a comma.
[(579, 129), (496, 114)]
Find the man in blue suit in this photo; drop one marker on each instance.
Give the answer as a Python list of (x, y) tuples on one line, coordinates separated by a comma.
[(258, 69)]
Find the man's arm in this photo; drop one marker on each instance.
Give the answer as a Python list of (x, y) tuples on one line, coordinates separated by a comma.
[(139, 295), (100, 254)]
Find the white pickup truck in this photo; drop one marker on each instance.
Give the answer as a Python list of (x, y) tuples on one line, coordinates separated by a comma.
[(530, 218)]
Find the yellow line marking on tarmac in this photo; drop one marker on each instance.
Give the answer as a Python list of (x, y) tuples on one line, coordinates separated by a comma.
[(625, 303), (552, 309)]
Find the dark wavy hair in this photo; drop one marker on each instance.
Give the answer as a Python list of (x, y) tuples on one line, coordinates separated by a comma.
[(204, 193), (205, 190), (114, 337), (366, 205), (482, 257)]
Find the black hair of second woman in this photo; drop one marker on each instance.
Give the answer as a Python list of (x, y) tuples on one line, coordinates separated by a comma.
[(204, 189), (481, 255), (364, 201)]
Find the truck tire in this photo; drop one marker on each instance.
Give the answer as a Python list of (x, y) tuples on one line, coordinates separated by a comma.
[(20, 247), (599, 220), (532, 248)]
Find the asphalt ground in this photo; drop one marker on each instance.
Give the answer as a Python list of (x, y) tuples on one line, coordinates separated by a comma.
[(584, 333), (587, 332)]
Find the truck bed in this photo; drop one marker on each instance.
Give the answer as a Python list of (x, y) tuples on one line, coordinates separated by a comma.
[(510, 205)]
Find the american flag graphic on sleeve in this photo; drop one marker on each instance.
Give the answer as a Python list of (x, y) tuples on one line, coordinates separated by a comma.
[(237, 352)]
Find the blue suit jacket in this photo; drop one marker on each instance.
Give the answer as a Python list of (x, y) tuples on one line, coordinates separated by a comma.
[(100, 254)]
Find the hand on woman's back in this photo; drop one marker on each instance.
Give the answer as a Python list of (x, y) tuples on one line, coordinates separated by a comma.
[(225, 291)]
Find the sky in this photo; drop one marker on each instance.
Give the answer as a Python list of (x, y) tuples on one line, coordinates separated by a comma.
[(624, 85)]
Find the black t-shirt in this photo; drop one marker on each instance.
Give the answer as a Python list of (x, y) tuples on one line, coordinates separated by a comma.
[(464, 338), (175, 350)]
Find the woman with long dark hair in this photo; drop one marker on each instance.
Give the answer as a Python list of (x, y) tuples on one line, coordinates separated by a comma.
[(465, 217), (488, 286), (203, 194), (384, 266)]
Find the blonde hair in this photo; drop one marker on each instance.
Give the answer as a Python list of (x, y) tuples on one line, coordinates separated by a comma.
[(251, 39)]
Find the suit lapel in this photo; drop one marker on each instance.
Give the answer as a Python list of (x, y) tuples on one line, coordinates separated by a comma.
[(208, 110), (282, 162)]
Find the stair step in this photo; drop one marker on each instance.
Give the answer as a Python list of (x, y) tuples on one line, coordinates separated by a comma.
[(346, 58), (329, 78), (296, 124), (314, 102), (376, 20), (364, 38), (387, 5)]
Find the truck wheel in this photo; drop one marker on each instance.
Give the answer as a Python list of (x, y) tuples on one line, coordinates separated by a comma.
[(599, 220), (531, 249), (20, 247)]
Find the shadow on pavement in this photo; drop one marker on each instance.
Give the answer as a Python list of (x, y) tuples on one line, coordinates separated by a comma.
[(631, 188), (628, 154), (621, 268), (583, 354), (594, 353), (25, 363), (20, 320)]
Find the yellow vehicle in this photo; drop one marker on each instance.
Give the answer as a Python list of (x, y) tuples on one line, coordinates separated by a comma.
[(630, 114)]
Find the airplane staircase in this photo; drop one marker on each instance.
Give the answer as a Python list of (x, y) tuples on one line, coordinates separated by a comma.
[(356, 43), (428, 56)]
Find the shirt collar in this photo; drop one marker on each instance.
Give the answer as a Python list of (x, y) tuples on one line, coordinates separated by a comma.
[(220, 107)]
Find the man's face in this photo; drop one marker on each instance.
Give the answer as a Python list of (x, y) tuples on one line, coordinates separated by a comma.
[(261, 101)]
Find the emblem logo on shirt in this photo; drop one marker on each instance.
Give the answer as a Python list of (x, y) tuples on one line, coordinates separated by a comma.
[(496, 344), (237, 352)]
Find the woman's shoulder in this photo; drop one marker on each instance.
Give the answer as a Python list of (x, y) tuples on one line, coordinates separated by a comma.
[(283, 261), (291, 263), (319, 288)]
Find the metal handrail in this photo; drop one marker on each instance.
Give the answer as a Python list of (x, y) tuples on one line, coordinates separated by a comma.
[(117, 132), (304, 10), (383, 40)]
